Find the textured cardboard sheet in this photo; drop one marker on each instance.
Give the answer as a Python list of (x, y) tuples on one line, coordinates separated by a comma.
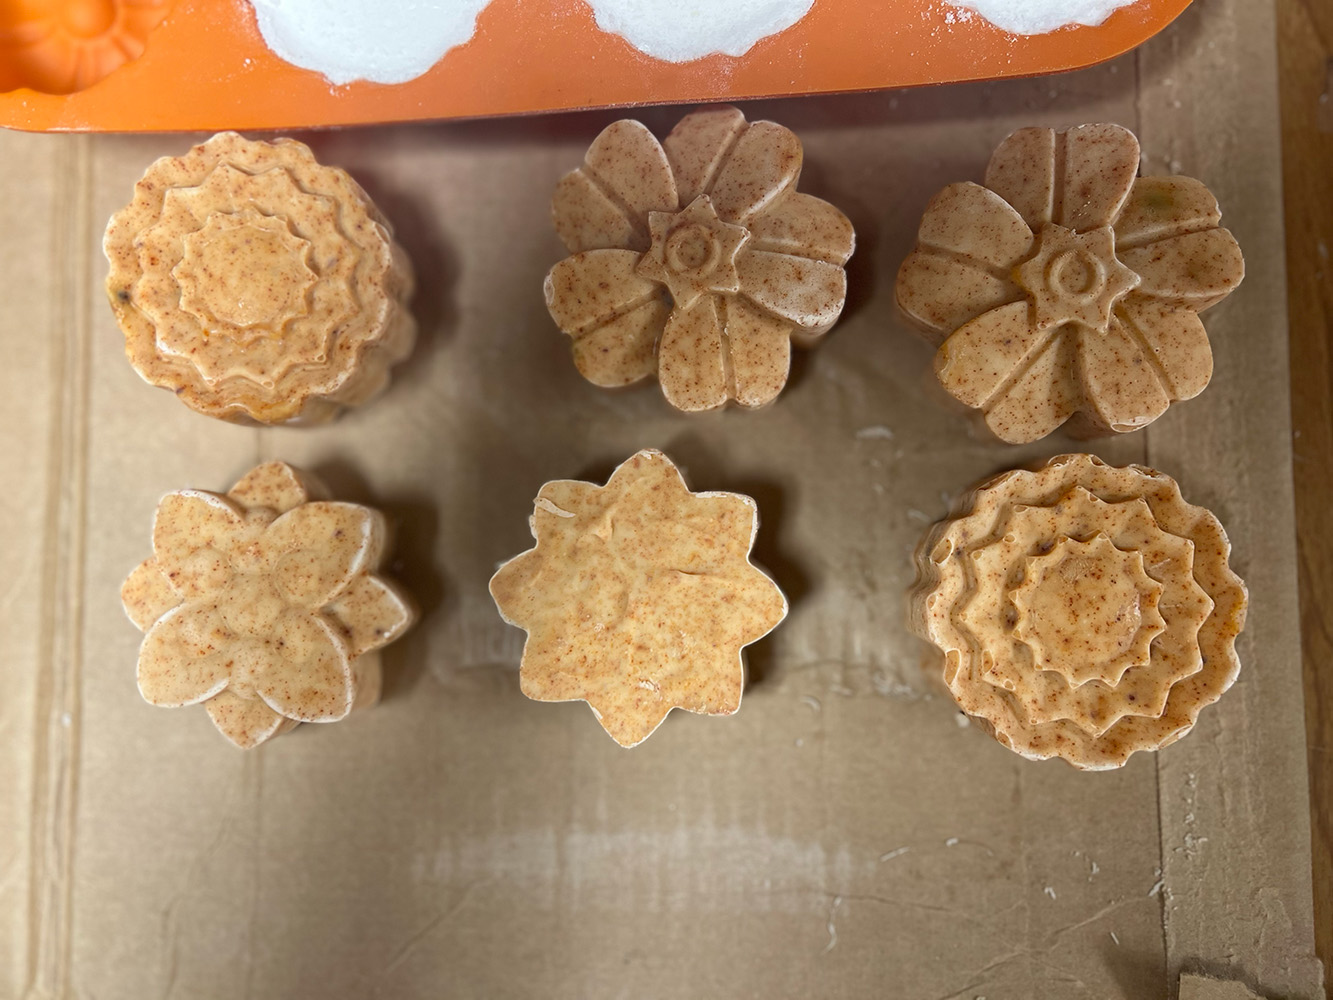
[(844, 834)]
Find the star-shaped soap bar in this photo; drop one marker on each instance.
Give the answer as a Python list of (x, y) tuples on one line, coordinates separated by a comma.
[(264, 606), (638, 597)]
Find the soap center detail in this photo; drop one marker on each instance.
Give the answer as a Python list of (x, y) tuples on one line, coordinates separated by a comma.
[(1075, 277), (246, 271), (1087, 610), (693, 252)]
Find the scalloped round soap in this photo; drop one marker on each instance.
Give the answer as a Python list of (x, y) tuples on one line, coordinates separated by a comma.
[(1083, 611), (258, 285)]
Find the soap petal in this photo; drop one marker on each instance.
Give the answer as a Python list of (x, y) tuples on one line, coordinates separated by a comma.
[(1197, 269), (942, 293), (765, 162), (691, 366), (804, 226), (623, 350), (1022, 172), (586, 218), (590, 289), (978, 225), (806, 293), (247, 722), (1121, 386), (372, 612), (146, 595), (631, 167), (1101, 162), (193, 533), (978, 359), (316, 549), (760, 353), (628, 725), (1041, 399), (182, 659), (275, 485), (698, 145), (1161, 207), (1176, 337), (314, 683)]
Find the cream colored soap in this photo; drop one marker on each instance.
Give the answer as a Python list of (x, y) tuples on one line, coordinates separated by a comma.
[(1083, 611), (695, 259), (638, 597), (1068, 287), (264, 605), (258, 285)]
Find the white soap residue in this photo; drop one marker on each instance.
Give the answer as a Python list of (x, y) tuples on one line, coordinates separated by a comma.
[(348, 40), (1036, 17), (682, 30)]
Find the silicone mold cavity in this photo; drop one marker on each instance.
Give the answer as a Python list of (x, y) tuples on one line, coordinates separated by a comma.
[(64, 46)]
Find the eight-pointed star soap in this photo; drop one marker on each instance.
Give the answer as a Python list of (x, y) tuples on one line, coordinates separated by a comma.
[(638, 597)]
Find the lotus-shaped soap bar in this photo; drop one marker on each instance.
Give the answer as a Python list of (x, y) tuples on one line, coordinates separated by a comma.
[(1068, 286), (258, 285), (696, 259), (264, 605), (638, 597), (1084, 611)]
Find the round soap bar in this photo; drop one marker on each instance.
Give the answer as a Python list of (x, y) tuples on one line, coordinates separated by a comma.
[(638, 597), (695, 259), (258, 285), (1084, 611), (1068, 286), (264, 606)]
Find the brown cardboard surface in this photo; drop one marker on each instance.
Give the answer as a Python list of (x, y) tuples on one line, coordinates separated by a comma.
[(1206, 988), (843, 835)]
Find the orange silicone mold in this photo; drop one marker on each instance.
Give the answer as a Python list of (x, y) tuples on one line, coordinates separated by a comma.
[(66, 46), (70, 65)]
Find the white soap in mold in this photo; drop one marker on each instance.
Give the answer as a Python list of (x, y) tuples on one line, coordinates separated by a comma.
[(683, 30), (347, 40), (1037, 17)]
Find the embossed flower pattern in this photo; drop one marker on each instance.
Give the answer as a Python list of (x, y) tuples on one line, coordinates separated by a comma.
[(1084, 611), (264, 606), (638, 597), (257, 284), (695, 259), (1069, 287)]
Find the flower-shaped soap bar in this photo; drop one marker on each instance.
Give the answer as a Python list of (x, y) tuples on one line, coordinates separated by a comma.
[(1084, 611), (1069, 286), (263, 605), (257, 284), (695, 259), (638, 597)]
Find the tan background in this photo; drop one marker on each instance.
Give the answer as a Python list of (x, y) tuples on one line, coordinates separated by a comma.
[(462, 841)]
